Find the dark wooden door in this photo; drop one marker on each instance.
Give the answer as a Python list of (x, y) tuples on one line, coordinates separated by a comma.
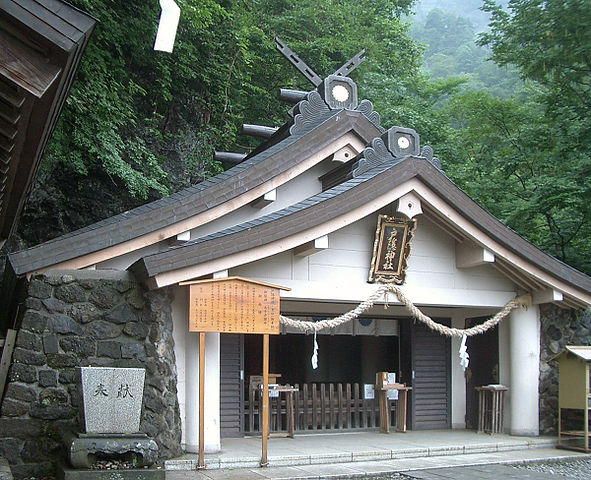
[(431, 379), (483, 368), (231, 385)]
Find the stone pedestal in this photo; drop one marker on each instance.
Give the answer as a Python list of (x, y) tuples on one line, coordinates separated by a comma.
[(85, 449)]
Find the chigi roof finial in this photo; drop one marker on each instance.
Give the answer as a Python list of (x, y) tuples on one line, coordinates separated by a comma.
[(337, 90)]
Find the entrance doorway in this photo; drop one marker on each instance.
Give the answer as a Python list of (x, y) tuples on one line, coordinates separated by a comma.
[(483, 368)]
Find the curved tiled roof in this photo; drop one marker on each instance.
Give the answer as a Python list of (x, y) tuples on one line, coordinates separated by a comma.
[(344, 198), (320, 130)]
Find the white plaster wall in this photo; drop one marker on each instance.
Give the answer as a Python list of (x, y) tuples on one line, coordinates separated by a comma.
[(340, 272)]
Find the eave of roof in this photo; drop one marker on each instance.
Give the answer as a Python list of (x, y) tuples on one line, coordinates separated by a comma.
[(48, 39), (229, 186), (342, 199)]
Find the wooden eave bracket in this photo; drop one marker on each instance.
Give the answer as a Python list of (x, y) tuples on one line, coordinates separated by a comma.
[(468, 256), (312, 247), (265, 200), (548, 295), (180, 238)]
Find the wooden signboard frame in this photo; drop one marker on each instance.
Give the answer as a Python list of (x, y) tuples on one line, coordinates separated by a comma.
[(234, 305)]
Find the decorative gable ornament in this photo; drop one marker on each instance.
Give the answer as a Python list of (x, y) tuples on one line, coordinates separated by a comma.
[(391, 249)]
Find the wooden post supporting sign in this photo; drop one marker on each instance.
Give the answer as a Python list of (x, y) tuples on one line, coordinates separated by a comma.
[(234, 305)]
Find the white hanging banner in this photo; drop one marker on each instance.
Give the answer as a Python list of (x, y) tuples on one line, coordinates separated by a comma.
[(463, 353), (314, 359), (169, 21)]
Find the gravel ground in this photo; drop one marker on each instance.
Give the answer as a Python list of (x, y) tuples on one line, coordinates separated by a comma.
[(575, 469)]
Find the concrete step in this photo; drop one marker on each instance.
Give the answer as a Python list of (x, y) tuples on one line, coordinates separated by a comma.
[(312, 451)]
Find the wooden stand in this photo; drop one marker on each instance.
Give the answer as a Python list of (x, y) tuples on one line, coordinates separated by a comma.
[(289, 410), (400, 407), (490, 408)]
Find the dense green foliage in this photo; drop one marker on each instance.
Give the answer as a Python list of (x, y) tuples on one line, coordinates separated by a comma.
[(140, 124)]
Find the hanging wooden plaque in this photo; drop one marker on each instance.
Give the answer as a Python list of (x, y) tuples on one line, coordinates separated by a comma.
[(391, 249), (234, 305)]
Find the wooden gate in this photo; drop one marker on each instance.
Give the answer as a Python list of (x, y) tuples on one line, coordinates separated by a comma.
[(317, 407)]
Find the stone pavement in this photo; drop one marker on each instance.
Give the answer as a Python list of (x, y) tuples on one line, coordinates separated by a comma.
[(472, 466), (480, 472)]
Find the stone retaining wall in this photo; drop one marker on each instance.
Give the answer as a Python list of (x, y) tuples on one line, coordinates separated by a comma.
[(560, 327), (85, 318)]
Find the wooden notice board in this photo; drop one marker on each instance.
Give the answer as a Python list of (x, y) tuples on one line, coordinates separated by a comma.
[(234, 305)]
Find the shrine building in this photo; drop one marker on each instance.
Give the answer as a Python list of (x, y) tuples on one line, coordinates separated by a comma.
[(329, 208)]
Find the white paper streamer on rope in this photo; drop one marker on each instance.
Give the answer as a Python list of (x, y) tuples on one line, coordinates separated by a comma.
[(463, 353), (314, 358), (169, 21)]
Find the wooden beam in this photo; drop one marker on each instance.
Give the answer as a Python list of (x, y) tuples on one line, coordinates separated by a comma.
[(6, 356), (470, 255), (265, 200), (25, 67), (229, 157), (10, 114), (312, 247), (548, 295), (265, 402), (260, 131), (201, 460)]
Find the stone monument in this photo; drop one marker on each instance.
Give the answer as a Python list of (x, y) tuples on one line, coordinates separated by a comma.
[(112, 401)]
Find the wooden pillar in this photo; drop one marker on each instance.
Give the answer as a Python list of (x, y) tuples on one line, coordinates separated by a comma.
[(265, 407), (201, 463)]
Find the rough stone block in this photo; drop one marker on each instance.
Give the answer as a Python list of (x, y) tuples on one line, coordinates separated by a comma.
[(50, 344), (112, 399), (34, 321), (137, 330), (51, 412), (63, 324), (133, 350), (68, 376), (47, 378), (10, 449), (62, 360), (122, 313), (102, 329), (53, 305), (136, 298), (13, 408), (39, 289), (28, 357), (20, 427), (71, 293), (23, 373), (110, 348), (85, 346), (104, 296), (28, 340), (21, 392)]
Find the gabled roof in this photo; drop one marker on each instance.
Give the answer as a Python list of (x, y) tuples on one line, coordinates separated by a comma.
[(354, 199), (315, 130), (582, 352), (41, 45)]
